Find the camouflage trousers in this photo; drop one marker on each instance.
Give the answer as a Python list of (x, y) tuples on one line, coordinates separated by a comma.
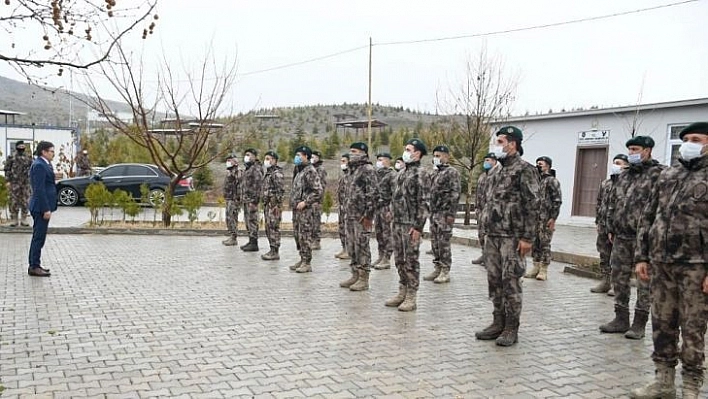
[(541, 249), (406, 253), (342, 226), (622, 262), (604, 248), (505, 267), (272, 214), (250, 217), (358, 245), (232, 208), (383, 231), (19, 199), (303, 228), (317, 233), (441, 234), (679, 303)]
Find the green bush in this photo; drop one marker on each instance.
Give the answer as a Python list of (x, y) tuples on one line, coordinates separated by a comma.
[(327, 203), (192, 202), (97, 197), (203, 178)]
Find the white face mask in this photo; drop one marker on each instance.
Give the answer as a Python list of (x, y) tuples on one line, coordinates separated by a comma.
[(615, 169), (407, 157), (246, 159), (343, 166), (379, 165), (499, 152), (689, 150), (437, 161), (634, 158), (399, 166), (229, 164), (266, 164), (315, 159)]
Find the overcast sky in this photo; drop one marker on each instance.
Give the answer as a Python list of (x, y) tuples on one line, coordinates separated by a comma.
[(662, 53)]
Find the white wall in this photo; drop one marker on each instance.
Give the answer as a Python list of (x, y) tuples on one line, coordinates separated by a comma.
[(10, 134), (558, 139)]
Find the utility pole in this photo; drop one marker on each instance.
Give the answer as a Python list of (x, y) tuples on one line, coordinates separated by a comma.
[(368, 131)]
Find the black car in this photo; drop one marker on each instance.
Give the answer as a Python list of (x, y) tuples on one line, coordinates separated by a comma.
[(124, 176)]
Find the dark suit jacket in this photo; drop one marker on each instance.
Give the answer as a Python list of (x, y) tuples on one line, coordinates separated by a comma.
[(44, 190)]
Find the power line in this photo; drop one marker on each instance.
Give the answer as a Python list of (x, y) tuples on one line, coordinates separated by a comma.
[(536, 27), (292, 64)]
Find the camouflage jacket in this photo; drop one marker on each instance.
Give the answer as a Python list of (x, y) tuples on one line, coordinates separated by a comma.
[(342, 189), (511, 209), (273, 187), (384, 181), (82, 162), (674, 224), (306, 187), (17, 169), (251, 183), (445, 191), (482, 192), (549, 197), (362, 191), (411, 196), (232, 185), (323, 174), (603, 197), (629, 195)]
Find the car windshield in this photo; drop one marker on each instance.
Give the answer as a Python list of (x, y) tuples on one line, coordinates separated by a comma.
[(113, 171)]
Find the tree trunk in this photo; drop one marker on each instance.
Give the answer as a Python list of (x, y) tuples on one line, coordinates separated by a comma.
[(468, 198), (169, 199)]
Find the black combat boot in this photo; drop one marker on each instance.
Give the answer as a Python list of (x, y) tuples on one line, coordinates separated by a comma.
[(638, 325), (494, 330), (252, 245), (510, 335), (620, 324)]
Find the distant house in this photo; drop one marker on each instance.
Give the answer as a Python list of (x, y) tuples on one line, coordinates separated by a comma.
[(582, 144)]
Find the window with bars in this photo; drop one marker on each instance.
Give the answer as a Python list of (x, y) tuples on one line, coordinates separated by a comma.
[(674, 143)]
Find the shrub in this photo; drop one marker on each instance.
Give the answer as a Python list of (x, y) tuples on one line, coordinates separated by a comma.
[(97, 196), (203, 178), (327, 203), (192, 202)]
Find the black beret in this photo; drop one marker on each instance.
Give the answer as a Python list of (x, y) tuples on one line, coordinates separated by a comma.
[(696, 127), (345, 155), (512, 132), (622, 157), (419, 145), (272, 154), (19, 143), (315, 152), (545, 159), (252, 151), (304, 150), (642, 141), (231, 156), (360, 146), (399, 159), (491, 155), (441, 148), (383, 155)]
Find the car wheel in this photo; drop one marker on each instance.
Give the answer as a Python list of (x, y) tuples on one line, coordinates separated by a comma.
[(156, 197), (68, 196)]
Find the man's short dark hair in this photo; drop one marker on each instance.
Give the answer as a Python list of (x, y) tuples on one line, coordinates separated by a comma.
[(43, 146)]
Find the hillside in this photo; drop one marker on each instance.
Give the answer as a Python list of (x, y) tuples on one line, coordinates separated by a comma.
[(47, 106)]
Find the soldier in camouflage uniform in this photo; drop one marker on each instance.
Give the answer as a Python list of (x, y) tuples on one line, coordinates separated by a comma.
[(83, 164), (445, 194), (362, 199), (385, 177), (319, 166), (341, 203), (510, 218), (232, 195), (603, 244), (17, 168), (489, 166), (672, 249), (629, 195), (273, 193), (550, 200), (399, 165), (251, 196), (411, 208), (306, 193)]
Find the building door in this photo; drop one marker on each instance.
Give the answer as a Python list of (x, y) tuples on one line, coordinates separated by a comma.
[(590, 171)]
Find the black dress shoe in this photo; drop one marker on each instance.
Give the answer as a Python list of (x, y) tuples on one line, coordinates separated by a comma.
[(38, 272), (46, 270)]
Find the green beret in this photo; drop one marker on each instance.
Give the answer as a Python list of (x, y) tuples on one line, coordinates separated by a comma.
[(441, 148), (304, 150), (273, 154), (231, 156), (545, 159), (696, 127), (345, 155), (491, 155), (622, 157), (252, 151), (360, 146), (512, 132), (315, 152), (419, 145), (19, 143), (399, 159), (383, 155), (641, 141)]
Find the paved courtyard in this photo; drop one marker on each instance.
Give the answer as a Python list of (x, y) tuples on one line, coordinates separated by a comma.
[(166, 316)]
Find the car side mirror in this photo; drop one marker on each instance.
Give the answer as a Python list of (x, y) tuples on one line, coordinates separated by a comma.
[(96, 177)]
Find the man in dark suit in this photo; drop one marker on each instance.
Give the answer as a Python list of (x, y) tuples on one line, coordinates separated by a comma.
[(41, 205)]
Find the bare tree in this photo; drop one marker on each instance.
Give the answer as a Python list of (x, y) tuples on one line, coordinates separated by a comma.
[(68, 34), (192, 102), (482, 99)]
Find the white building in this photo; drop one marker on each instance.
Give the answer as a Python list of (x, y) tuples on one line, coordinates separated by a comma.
[(583, 143)]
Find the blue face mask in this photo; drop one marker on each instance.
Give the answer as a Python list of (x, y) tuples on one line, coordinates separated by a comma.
[(634, 158), (487, 166), (297, 160)]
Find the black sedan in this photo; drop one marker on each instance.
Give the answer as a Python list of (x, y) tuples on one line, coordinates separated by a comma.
[(124, 176)]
